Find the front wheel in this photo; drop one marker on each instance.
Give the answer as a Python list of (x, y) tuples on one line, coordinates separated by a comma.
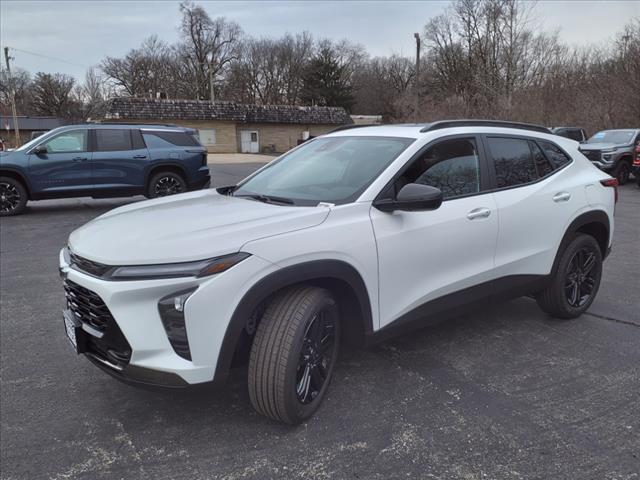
[(163, 184), (622, 172), (575, 283), (13, 197), (294, 353)]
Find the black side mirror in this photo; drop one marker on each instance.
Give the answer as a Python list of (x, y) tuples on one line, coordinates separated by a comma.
[(412, 197), (39, 150)]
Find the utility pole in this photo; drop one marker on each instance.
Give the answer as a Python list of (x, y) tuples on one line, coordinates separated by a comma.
[(13, 97), (211, 94), (416, 82)]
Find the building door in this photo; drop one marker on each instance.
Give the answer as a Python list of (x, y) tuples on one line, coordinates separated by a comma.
[(249, 142)]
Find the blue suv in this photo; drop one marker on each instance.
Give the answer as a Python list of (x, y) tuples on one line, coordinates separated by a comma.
[(102, 160)]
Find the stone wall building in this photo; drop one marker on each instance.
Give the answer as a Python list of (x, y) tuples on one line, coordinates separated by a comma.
[(226, 127)]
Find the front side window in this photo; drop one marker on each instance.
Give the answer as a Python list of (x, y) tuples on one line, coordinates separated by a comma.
[(330, 169), (68, 142), (513, 161), (452, 166), (113, 140)]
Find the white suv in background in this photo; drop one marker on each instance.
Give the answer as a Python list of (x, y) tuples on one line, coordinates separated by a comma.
[(350, 237)]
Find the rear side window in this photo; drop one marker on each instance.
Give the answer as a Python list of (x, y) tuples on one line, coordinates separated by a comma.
[(113, 140), (557, 157), (169, 139), (513, 161), (575, 135), (542, 163)]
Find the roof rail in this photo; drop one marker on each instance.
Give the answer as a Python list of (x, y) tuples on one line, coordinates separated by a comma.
[(135, 123), (349, 127), (484, 123)]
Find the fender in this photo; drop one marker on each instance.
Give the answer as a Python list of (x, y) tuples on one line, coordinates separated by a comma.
[(18, 173), (582, 220), (346, 277), (158, 166)]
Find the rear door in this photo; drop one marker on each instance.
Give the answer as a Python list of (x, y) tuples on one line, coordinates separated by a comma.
[(65, 168), (119, 160), (536, 197), (424, 256)]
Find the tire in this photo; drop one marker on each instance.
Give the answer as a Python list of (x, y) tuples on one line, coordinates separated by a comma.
[(622, 172), (283, 383), (13, 197), (166, 183), (574, 284)]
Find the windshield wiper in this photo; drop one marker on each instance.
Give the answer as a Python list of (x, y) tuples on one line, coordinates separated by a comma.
[(266, 198)]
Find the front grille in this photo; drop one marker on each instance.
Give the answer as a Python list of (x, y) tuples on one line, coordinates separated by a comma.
[(593, 155), (88, 266), (88, 308)]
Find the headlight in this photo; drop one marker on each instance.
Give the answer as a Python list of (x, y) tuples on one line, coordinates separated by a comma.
[(199, 268)]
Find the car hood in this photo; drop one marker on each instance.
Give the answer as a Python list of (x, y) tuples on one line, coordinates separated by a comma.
[(599, 146), (190, 226)]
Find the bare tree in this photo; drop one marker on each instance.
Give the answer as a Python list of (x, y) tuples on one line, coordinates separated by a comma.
[(209, 45), (53, 94)]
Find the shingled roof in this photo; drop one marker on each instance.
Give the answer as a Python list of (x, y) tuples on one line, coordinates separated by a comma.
[(126, 108)]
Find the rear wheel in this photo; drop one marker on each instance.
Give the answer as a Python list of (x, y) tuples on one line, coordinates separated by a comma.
[(13, 197), (167, 183), (294, 353), (622, 172), (575, 283)]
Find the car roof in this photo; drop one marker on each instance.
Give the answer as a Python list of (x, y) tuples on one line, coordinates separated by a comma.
[(418, 130), (142, 126)]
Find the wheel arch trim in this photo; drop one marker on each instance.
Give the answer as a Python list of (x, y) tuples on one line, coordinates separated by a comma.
[(14, 172), (582, 220), (285, 277)]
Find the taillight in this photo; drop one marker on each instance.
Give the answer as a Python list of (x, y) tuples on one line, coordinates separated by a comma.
[(611, 182), (636, 159)]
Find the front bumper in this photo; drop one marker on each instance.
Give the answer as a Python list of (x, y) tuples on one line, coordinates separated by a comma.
[(133, 305)]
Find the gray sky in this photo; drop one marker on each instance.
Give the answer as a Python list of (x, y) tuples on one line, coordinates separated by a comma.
[(84, 32)]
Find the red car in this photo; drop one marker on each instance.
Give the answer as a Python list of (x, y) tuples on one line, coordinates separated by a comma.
[(636, 164)]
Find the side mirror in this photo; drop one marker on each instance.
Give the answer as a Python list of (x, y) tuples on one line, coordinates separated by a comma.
[(413, 197), (39, 150)]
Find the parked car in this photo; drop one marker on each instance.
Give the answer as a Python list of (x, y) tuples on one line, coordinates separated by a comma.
[(636, 164), (574, 133), (612, 151), (356, 235), (106, 160)]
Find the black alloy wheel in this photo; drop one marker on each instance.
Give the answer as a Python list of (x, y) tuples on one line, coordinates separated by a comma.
[(13, 197), (316, 357), (581, 278), (167, 185)]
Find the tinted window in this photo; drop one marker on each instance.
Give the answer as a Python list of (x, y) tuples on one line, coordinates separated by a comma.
[(513, 161), (542, 163), (113, 140), (72, 141), (168, 139), (451, 165), (575, 135), (557, 157), (136, 140)]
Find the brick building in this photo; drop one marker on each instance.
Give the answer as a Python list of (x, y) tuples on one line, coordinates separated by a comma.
[(226, 127)]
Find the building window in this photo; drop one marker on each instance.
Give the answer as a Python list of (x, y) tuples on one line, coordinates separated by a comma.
[(207, 136)]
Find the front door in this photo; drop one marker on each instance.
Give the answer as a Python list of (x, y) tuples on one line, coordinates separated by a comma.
[(65, 167), (425, 255), (249, 141)]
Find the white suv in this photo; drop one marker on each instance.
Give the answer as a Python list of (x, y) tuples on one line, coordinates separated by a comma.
[(350, 237)]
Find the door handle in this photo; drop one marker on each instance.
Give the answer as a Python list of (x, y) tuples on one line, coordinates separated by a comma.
[(78, 159), (561, 197), (139, 156), (478, 213)]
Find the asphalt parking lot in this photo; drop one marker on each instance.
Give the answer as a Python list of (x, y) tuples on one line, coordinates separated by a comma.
[(506, 393)]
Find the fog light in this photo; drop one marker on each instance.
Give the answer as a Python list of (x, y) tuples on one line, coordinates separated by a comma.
[(171, 309)]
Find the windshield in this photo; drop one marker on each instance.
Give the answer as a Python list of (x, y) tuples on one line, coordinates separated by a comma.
[(329, 169), (37, 140), (618, 137)]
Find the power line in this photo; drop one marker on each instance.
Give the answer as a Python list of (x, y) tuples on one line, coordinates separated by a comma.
[(48, 57)]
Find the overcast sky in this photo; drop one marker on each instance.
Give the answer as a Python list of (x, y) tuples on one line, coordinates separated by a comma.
[(78, 34)]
